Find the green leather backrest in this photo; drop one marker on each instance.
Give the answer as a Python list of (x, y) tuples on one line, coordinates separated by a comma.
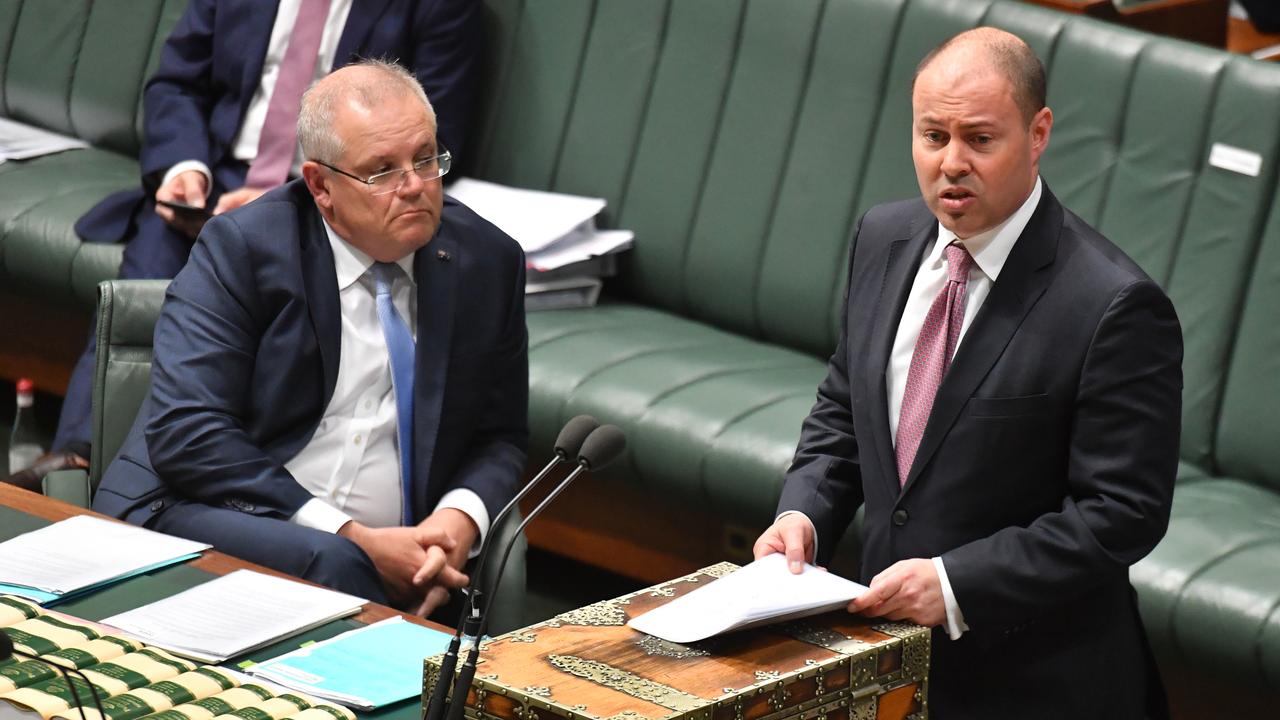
[(78, 66), (741, 140), (1136, 121), (127, 313), (1247, 446)]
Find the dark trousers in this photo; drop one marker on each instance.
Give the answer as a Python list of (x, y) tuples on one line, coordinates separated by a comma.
[(321, 557)]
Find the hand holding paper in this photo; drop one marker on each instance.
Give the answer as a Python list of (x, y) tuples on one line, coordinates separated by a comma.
[(763, 592)]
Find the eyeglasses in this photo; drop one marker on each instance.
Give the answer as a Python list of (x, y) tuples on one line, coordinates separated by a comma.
[(392, 180)]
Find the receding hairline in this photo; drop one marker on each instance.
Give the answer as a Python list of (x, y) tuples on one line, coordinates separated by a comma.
[(1006, 54), (366, 84)]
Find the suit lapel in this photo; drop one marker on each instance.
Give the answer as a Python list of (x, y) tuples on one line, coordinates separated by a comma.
[(1022, 281), (364, 13), (321, 281), (435, 268), (903, 260)]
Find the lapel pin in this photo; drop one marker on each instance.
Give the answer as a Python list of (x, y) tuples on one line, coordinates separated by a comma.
[(443, 255)]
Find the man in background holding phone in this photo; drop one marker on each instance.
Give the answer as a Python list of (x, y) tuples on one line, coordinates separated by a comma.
[(220, 117)]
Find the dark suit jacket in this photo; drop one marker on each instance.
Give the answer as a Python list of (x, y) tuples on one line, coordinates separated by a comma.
[(246, 360), (1045, 470), (211, 65)]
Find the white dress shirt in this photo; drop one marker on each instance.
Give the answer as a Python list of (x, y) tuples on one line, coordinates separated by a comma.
[(245, 146), (352, 464), (989, 250)]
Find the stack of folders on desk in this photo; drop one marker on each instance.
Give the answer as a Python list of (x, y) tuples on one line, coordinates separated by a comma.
[(368, 668), (234, 614), (567, 256), (82, 554), (133, 681)]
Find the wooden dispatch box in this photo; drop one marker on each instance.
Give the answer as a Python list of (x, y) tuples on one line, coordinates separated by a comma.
[(588, 665)]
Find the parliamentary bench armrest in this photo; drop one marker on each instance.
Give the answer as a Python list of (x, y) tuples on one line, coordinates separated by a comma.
[(71, 486)]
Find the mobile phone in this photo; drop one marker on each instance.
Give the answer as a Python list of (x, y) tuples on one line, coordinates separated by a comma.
[(185, 211)]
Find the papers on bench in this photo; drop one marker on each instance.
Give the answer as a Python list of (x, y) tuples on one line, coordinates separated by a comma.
[(566, 255), (365, 668), (84, 553), (20, 142), (757, 594), (233, 614)]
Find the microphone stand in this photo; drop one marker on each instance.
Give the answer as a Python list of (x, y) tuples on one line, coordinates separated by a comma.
[(600, 448), (568, 443), (468, 671)]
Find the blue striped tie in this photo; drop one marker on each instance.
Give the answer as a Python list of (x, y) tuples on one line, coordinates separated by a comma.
[(401, 349)]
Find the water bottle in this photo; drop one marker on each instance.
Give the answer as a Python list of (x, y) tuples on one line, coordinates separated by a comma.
[(24, 442)]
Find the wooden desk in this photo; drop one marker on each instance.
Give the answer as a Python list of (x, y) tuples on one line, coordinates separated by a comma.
[(212, 562), (187, 574)]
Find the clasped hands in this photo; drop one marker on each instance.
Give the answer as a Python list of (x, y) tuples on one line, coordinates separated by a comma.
[(419, 565), (906, 590), (191, 188)]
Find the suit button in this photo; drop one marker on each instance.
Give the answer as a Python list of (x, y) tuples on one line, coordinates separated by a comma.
[(900, 517), (157, 506)]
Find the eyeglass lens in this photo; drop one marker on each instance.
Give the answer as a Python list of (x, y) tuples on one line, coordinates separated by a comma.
[(430, 169)]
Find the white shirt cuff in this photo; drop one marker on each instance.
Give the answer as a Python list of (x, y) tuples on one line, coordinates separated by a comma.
[(470, 503), (320, 515), (186, 165), (812, 528), (955, 619)]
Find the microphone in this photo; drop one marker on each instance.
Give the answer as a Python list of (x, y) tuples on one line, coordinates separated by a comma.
[(601, 447), (568, 445), (7, 650)]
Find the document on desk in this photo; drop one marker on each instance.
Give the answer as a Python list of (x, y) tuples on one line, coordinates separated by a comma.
[(234, 614), (757, 594), (83, 552), (367, 668)]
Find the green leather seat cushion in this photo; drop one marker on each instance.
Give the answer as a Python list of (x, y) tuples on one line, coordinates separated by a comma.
[(43, 198), (1211, 585), (711, 417)]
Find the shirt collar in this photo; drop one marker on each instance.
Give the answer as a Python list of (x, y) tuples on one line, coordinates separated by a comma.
[(991, 249), (351, 263)]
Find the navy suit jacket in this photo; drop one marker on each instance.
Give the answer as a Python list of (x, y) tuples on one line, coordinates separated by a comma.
[(246, 360), (211, 65), (1046, 468)]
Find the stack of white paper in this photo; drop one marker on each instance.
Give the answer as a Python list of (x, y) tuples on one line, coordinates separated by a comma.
[(20, 142), (567, 255), (233, 614), (763, 592), (83, 553)]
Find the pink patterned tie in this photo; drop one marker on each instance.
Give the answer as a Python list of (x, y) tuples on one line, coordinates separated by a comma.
[(932, 357), (280, 129)]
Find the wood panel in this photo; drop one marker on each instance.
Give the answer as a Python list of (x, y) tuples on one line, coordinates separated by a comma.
[(1244, 38), (40, 340), (631, 532), (1202, 21)]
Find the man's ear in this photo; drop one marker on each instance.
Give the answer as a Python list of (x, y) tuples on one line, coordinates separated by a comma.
[(317, 183), (1041, 128)]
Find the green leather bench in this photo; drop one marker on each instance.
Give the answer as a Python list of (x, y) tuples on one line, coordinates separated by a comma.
[(741, 140)]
